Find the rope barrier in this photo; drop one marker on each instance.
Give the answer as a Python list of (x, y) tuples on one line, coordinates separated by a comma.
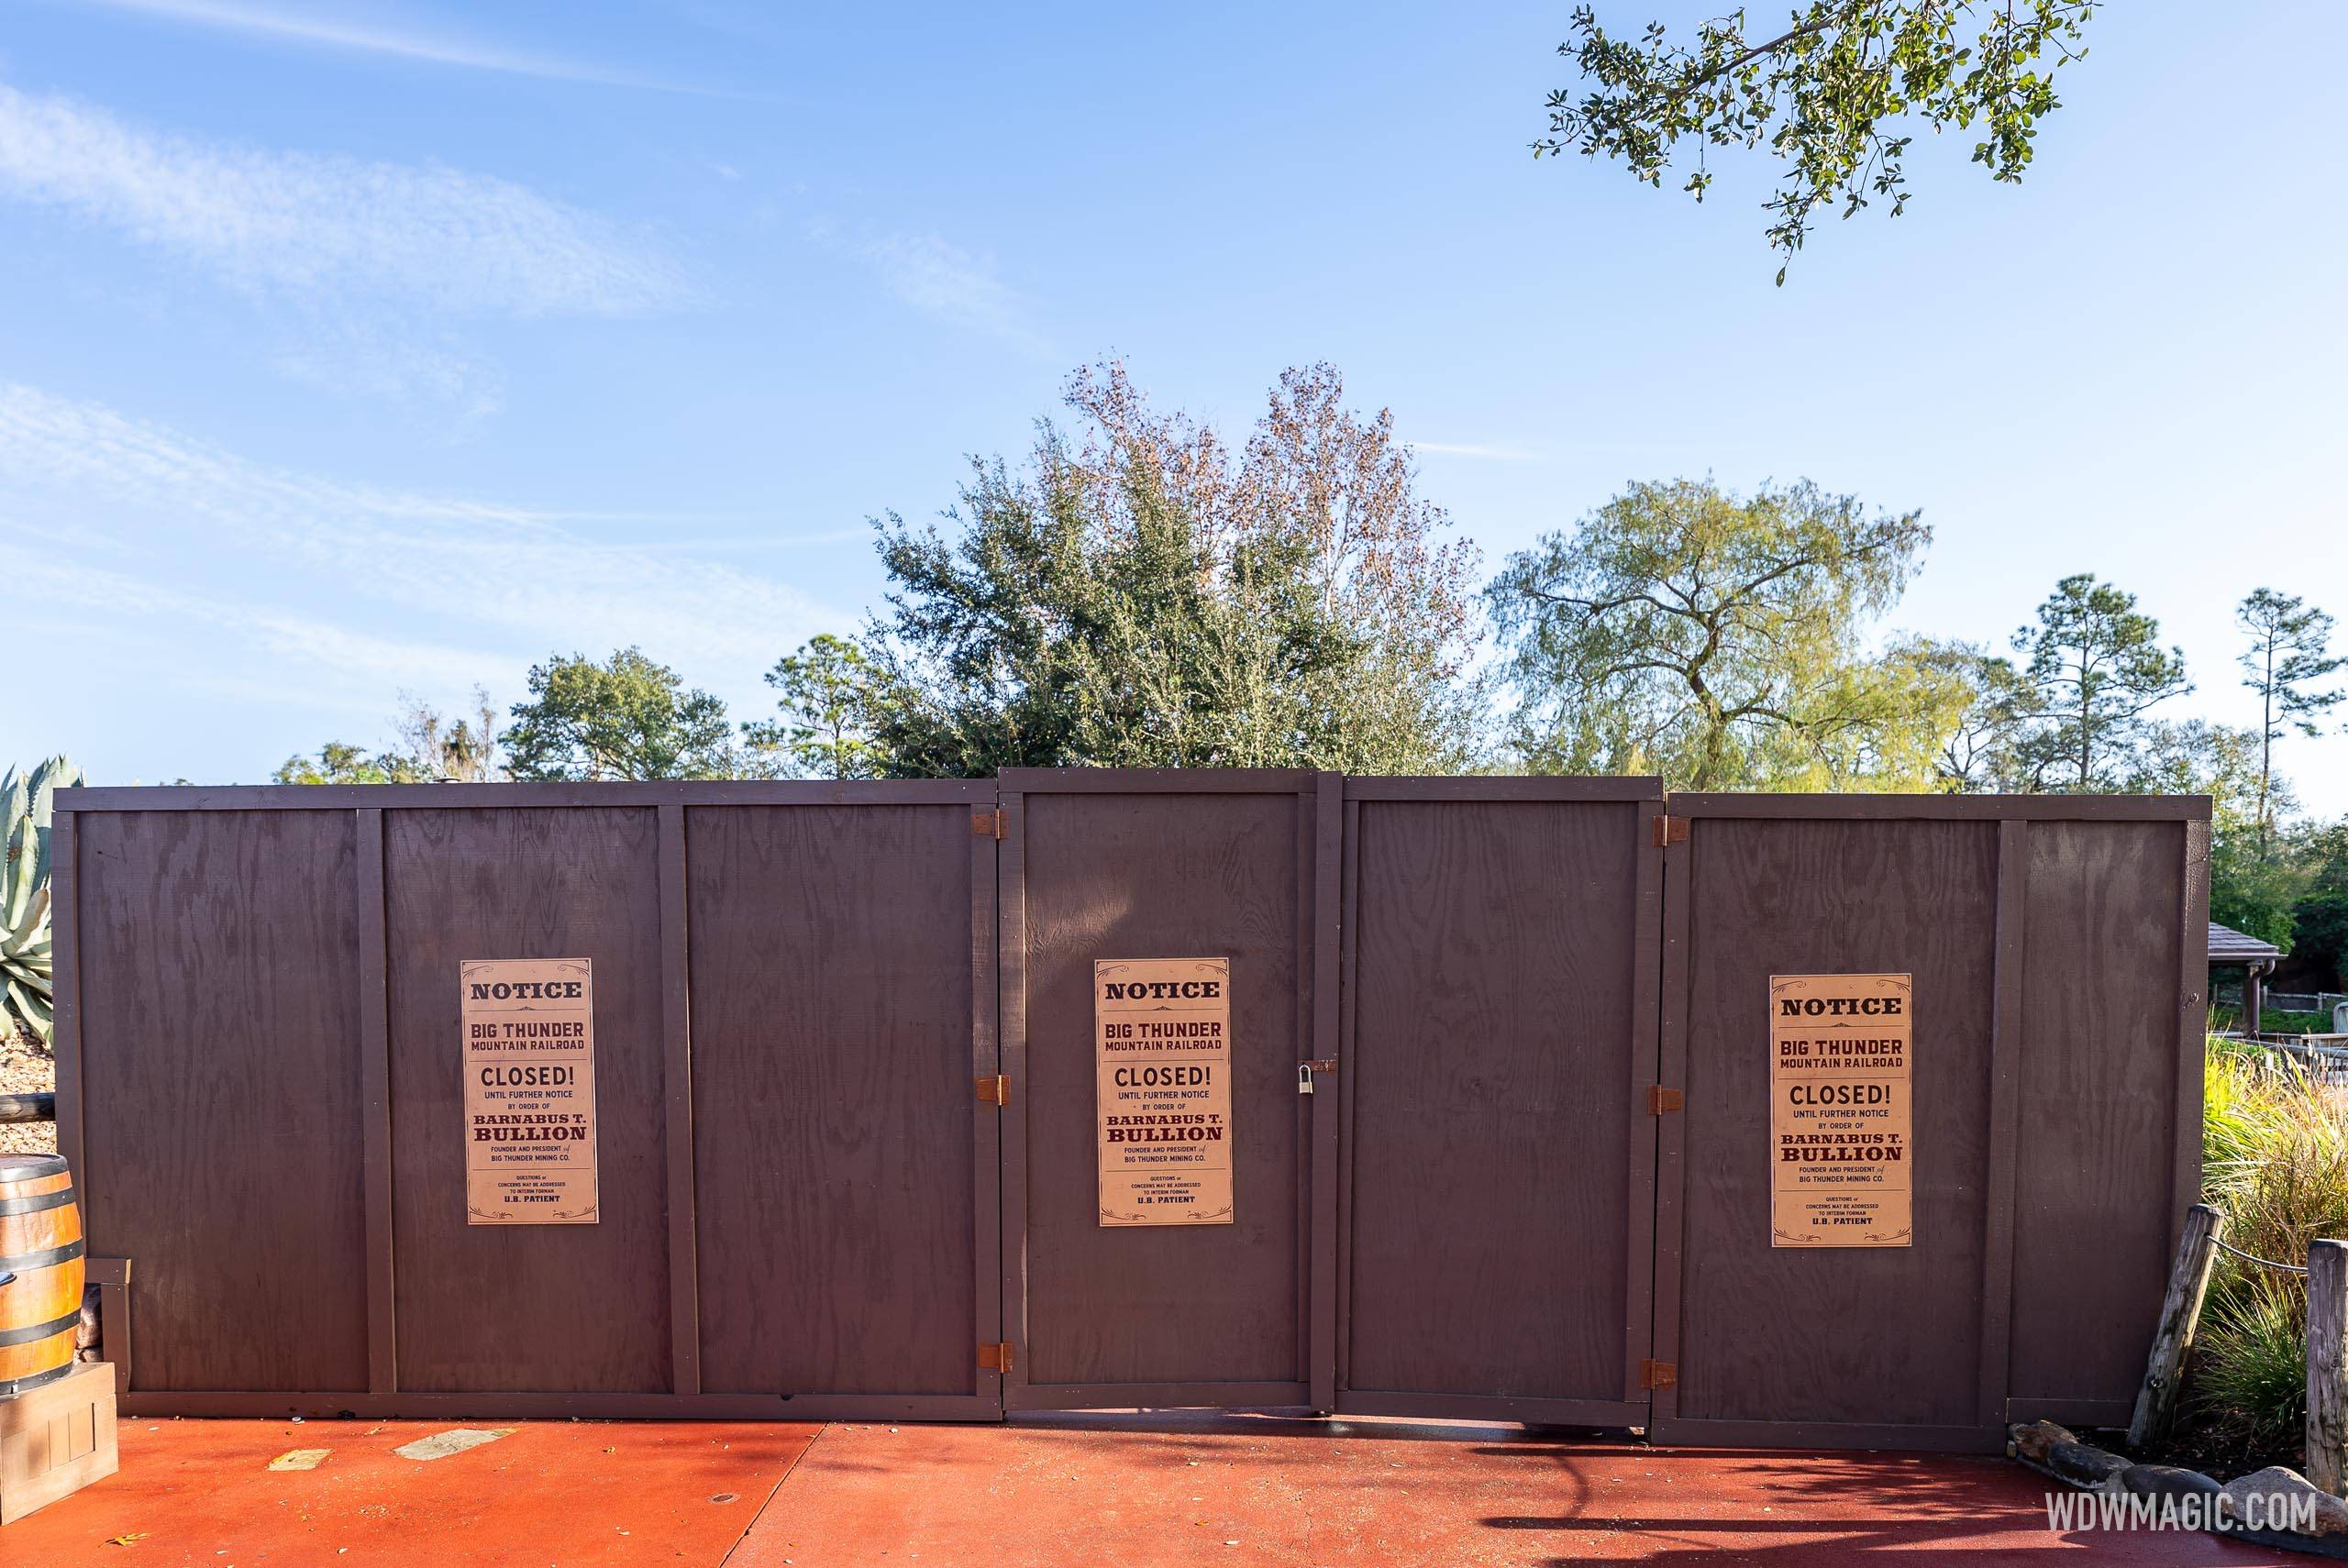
[(2267, 1262)]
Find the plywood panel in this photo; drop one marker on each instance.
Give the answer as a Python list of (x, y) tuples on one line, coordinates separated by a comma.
[(1492, 1069), (541, 1306), (1151, 876), (832, 1101), (1879, 1336), (2099, 1101), (221, 1091)]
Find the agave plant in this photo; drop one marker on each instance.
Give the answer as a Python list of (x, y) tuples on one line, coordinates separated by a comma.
[(27, 999)]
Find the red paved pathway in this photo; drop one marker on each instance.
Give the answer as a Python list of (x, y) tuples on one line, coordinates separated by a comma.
[(1134, 1492), (613, 1496), (1233, 1490)]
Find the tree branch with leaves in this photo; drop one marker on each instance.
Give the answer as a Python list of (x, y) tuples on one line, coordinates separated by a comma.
[(1835, 96)]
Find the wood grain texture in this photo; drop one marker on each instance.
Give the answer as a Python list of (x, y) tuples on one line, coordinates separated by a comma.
[(1151, 876), (222, 1091), (832, 1100), (2327, 1421), (1494, 1068), (527, 1306), (2188, 1283), (1877, 1336), (2099, 1102)]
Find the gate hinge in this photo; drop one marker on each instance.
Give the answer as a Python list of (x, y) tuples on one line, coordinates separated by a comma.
[(987, 824), (995, 1090), (995, 1357), (1661, 1100), (1669, 829), (1659, 1375)]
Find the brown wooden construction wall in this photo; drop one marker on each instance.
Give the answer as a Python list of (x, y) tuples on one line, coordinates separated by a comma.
[(793, 992), (1479, 1210), (2057, 1044)]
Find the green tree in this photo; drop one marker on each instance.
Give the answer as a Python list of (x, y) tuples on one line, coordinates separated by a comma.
[(2319, 933), (2289, 652), (830, 694), (2250, 889), (1835, 96), (339, 762), (2096, 663), (1140, 594), (625, 718), (1985, 748), (1719, 641), (428, 745)]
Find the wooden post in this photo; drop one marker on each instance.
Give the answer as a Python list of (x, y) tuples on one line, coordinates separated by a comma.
[(2327, 1465), (2188, 1281)]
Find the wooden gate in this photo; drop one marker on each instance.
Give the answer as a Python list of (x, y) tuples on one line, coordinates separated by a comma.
[(1498, 1051), (1238, 865), (1500, 1105)]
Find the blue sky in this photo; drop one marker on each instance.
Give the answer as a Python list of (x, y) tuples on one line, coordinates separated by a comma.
[(353, 348)]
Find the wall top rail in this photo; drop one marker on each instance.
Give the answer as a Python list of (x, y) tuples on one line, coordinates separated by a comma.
[(1502, 786), (396, 797), (1127, 781), (1165, 780), (1961, 808)]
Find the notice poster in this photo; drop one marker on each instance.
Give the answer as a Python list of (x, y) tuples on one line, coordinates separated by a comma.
[(1161, 1033), (1840, 1115), (529, 1056)]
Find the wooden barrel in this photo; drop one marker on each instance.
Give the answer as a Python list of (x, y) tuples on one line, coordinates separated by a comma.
[(41, 1271)]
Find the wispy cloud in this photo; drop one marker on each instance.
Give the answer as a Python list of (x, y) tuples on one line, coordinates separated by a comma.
[(319, 226), (427, 48), (944, 281), (314, 582)]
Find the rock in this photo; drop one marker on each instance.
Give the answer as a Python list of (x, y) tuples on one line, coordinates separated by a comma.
[(2032, 1441), (2276, 1499), (2083, 1463), (2167, 1481)]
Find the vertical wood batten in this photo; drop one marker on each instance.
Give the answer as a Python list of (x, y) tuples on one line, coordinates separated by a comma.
[(2007, 1023), (1328, 865), (1303, 1113), (1348, 940), (986, 1141), (1671, 1132), (1011, 1014), (2192, 1023), (375, 1105), (677, 1081), (1646, 1069), (65, 1027)]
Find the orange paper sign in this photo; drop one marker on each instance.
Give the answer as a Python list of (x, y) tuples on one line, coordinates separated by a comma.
[(1161, 1031), (1840, 1113), (529, 1065)]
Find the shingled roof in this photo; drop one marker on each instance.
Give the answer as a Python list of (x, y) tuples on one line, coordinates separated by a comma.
[(2228, 946)]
